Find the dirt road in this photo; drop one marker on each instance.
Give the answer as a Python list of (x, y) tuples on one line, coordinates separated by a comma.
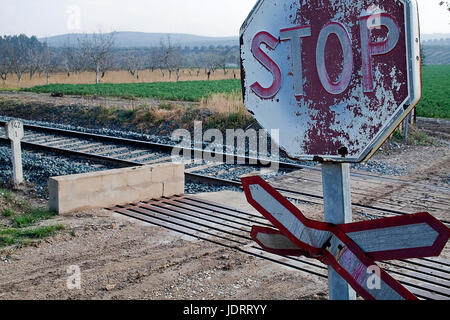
[(125, 259)]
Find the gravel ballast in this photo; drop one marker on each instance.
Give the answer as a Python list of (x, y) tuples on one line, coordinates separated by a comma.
[(38, 168)]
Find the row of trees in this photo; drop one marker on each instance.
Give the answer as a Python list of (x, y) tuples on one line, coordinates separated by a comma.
[(169, 59), (97, 52), (20, 55)]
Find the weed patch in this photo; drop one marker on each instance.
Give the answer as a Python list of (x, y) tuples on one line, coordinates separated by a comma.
[(13, 236), (34, 216), (19, 221), (415, 138)]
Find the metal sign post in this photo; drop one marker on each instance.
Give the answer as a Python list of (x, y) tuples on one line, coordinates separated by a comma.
[(338, 210), (15, 133)]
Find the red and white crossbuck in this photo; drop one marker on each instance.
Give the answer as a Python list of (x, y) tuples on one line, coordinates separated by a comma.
[(350, 249)]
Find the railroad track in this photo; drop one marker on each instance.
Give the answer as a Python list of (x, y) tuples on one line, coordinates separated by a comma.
[(120, 152), (304, 183), (427, 278)]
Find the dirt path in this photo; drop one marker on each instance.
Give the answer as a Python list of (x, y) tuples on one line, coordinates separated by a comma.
[(125, 259), (90, 101)]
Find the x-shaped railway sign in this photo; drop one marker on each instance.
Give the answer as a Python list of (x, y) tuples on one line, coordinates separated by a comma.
[(350, 249)]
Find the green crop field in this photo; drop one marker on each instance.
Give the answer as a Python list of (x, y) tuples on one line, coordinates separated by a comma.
[(435, 102), (178, 91)]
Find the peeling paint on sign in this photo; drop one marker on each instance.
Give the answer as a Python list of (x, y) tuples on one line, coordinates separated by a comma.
[(334, 76)]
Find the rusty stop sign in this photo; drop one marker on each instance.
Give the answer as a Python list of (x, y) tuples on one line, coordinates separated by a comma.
[(336, 77)]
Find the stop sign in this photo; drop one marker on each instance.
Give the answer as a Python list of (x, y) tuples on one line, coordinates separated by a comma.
[(336, 77)]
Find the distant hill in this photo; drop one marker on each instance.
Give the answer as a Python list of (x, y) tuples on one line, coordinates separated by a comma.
[(437, 42), (435, 46), (142, 39), (434, 36)]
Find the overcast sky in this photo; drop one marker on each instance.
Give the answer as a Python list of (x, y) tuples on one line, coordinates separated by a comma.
[(202, 17)]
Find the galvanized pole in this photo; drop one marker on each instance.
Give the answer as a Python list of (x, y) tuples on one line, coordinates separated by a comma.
[(338, 210), (406, 128)]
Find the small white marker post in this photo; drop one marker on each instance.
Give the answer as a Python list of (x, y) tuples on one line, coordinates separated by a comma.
[(338, 210), (14, 131)]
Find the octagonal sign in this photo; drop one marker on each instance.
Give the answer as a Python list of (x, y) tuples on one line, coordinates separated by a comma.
[(336, 77)]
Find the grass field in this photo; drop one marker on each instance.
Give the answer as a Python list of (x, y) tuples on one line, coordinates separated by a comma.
[(179, 91), (435, 102)]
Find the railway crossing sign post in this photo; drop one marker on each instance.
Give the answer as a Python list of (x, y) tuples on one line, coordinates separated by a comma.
[(337, 210), (335, 77), (349, 249), (15, 133)]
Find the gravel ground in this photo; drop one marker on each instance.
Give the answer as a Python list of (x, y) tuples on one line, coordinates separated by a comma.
[(380, 168), (37, 168), (194, 188), (232, 172)]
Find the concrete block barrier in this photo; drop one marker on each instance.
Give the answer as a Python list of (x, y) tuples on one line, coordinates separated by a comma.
[(115, 187)]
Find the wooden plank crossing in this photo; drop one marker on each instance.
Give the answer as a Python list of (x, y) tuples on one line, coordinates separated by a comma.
[(427, 278)]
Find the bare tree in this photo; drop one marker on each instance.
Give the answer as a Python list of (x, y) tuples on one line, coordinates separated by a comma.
[(5, 63), (97, 49), (133, 65), (48, 61), (16, 49), (33, 56), (19, 54), (105, 65), (222, 63), (153, 60), (170, 57), (67, 60), (210, 63), (71, 59)]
